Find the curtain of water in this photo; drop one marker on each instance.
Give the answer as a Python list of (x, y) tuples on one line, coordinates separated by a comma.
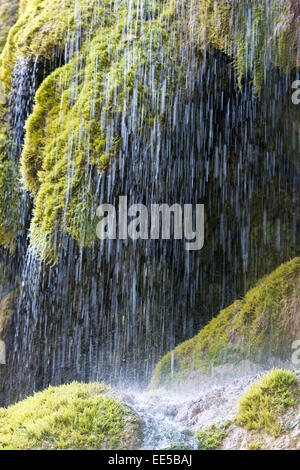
[(109, 312)]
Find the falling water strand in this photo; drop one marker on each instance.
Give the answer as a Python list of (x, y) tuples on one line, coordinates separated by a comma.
[(187, 134)]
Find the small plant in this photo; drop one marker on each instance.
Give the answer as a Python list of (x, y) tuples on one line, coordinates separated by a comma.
[(262, 404), (212, 437), (255, 445)]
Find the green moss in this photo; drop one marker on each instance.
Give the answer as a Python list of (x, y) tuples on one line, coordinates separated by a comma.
[(74, 130), (255, 445), (8, 15), (69, 135), (263, 324), (10, 196), (7, 310), (266, 400), (42, 26), (253, 32), (212, 437), (75, 416)]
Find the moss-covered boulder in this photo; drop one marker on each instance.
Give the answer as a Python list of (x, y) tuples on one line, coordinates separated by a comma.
[(260, 327), (75, 416)]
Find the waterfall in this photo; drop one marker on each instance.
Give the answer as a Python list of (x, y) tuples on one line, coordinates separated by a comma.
[(181, 126)]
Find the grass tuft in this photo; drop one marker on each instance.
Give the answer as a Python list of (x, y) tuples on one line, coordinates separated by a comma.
[(266, 400)]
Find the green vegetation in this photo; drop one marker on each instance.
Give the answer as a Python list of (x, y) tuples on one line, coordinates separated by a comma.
[(211, 438), (7, 309), (8, 14), (255, 445), (41, 26), (70, 135), (75, 416), (73, 131), (253, 32), (10, 196), (262, 325), (262, 404)]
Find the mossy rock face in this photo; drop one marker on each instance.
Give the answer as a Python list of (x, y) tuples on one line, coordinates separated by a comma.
[(43, 27), (260, 327), (79, 111), (10, 196), (8, 15), (75, 416), (101, 84), (254, 32), (8, 308)]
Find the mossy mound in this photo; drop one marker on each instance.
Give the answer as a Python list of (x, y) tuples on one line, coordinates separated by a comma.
[(75, 416), (266, 400), (259, 327)]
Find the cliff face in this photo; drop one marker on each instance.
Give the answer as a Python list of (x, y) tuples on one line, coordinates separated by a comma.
[(104, 51), (261, 327), (8, 16), (177, 101)]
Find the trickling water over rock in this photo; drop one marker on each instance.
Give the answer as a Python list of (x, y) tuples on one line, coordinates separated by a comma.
[(140, 99), (263, 327)]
